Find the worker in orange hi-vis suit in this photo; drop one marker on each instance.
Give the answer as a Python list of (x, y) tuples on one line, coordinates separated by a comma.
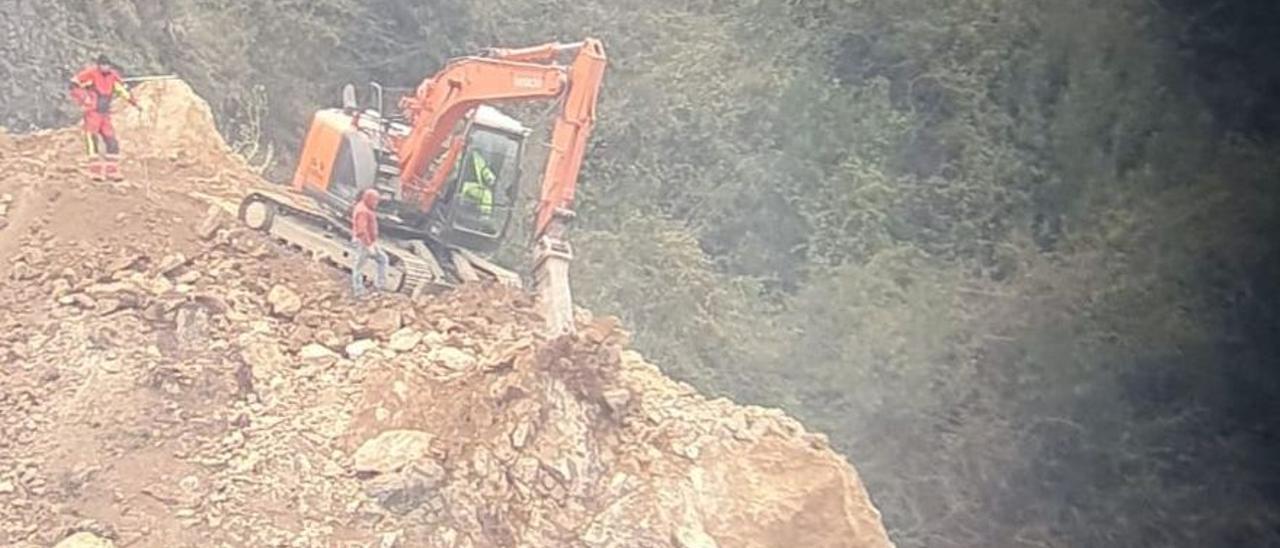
[(93, 90)]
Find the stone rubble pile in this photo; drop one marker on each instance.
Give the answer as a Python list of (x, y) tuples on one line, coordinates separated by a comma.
[(172, 379)]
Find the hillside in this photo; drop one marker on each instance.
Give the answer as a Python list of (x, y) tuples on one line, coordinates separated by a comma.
[(1016, 259), (172, 379)]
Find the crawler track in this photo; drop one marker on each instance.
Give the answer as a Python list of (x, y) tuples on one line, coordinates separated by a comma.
[(413, 268)]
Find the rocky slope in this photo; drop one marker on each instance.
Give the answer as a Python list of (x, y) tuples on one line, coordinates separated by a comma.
[(171, 379)]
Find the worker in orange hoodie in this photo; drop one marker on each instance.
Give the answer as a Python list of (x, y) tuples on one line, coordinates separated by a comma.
[(364, 236), (93, 89)]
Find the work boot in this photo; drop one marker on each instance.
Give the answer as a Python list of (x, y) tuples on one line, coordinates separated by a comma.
[(96, 170), (111, 168)]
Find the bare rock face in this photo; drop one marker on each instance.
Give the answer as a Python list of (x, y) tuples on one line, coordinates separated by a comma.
[(360, 348), (777, 493), (590, 438)]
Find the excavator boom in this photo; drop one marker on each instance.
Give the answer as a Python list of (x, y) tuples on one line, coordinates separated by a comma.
[(570, 134)]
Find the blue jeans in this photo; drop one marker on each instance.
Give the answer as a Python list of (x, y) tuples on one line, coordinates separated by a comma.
[(363, 253)]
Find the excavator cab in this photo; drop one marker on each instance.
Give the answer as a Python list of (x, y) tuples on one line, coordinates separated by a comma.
[(483, 187), (347, 151)]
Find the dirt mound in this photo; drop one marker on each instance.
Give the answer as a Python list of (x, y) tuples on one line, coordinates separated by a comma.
[(166, 386)]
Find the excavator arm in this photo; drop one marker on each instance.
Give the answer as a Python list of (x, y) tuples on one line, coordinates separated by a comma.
[(507, 75), (570, 134), (511, 75)]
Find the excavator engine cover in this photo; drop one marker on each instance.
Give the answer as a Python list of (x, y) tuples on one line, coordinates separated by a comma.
[(337, 161)]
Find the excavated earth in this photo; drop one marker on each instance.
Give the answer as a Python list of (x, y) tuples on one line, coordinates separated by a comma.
[(172, 379)]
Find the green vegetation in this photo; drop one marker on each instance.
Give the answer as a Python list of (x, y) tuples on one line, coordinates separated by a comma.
[(1006, 253)]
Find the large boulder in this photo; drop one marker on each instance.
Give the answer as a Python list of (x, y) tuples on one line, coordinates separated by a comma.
[(391, 451), (404, 340), (454, 359), (85, 539), (284, 302), (173, 120), (592, 439)]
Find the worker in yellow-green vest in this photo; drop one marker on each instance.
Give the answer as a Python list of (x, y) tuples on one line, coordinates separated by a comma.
[(477, 187)]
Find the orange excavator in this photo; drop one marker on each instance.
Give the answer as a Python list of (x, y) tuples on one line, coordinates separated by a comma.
[(448, 170)]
